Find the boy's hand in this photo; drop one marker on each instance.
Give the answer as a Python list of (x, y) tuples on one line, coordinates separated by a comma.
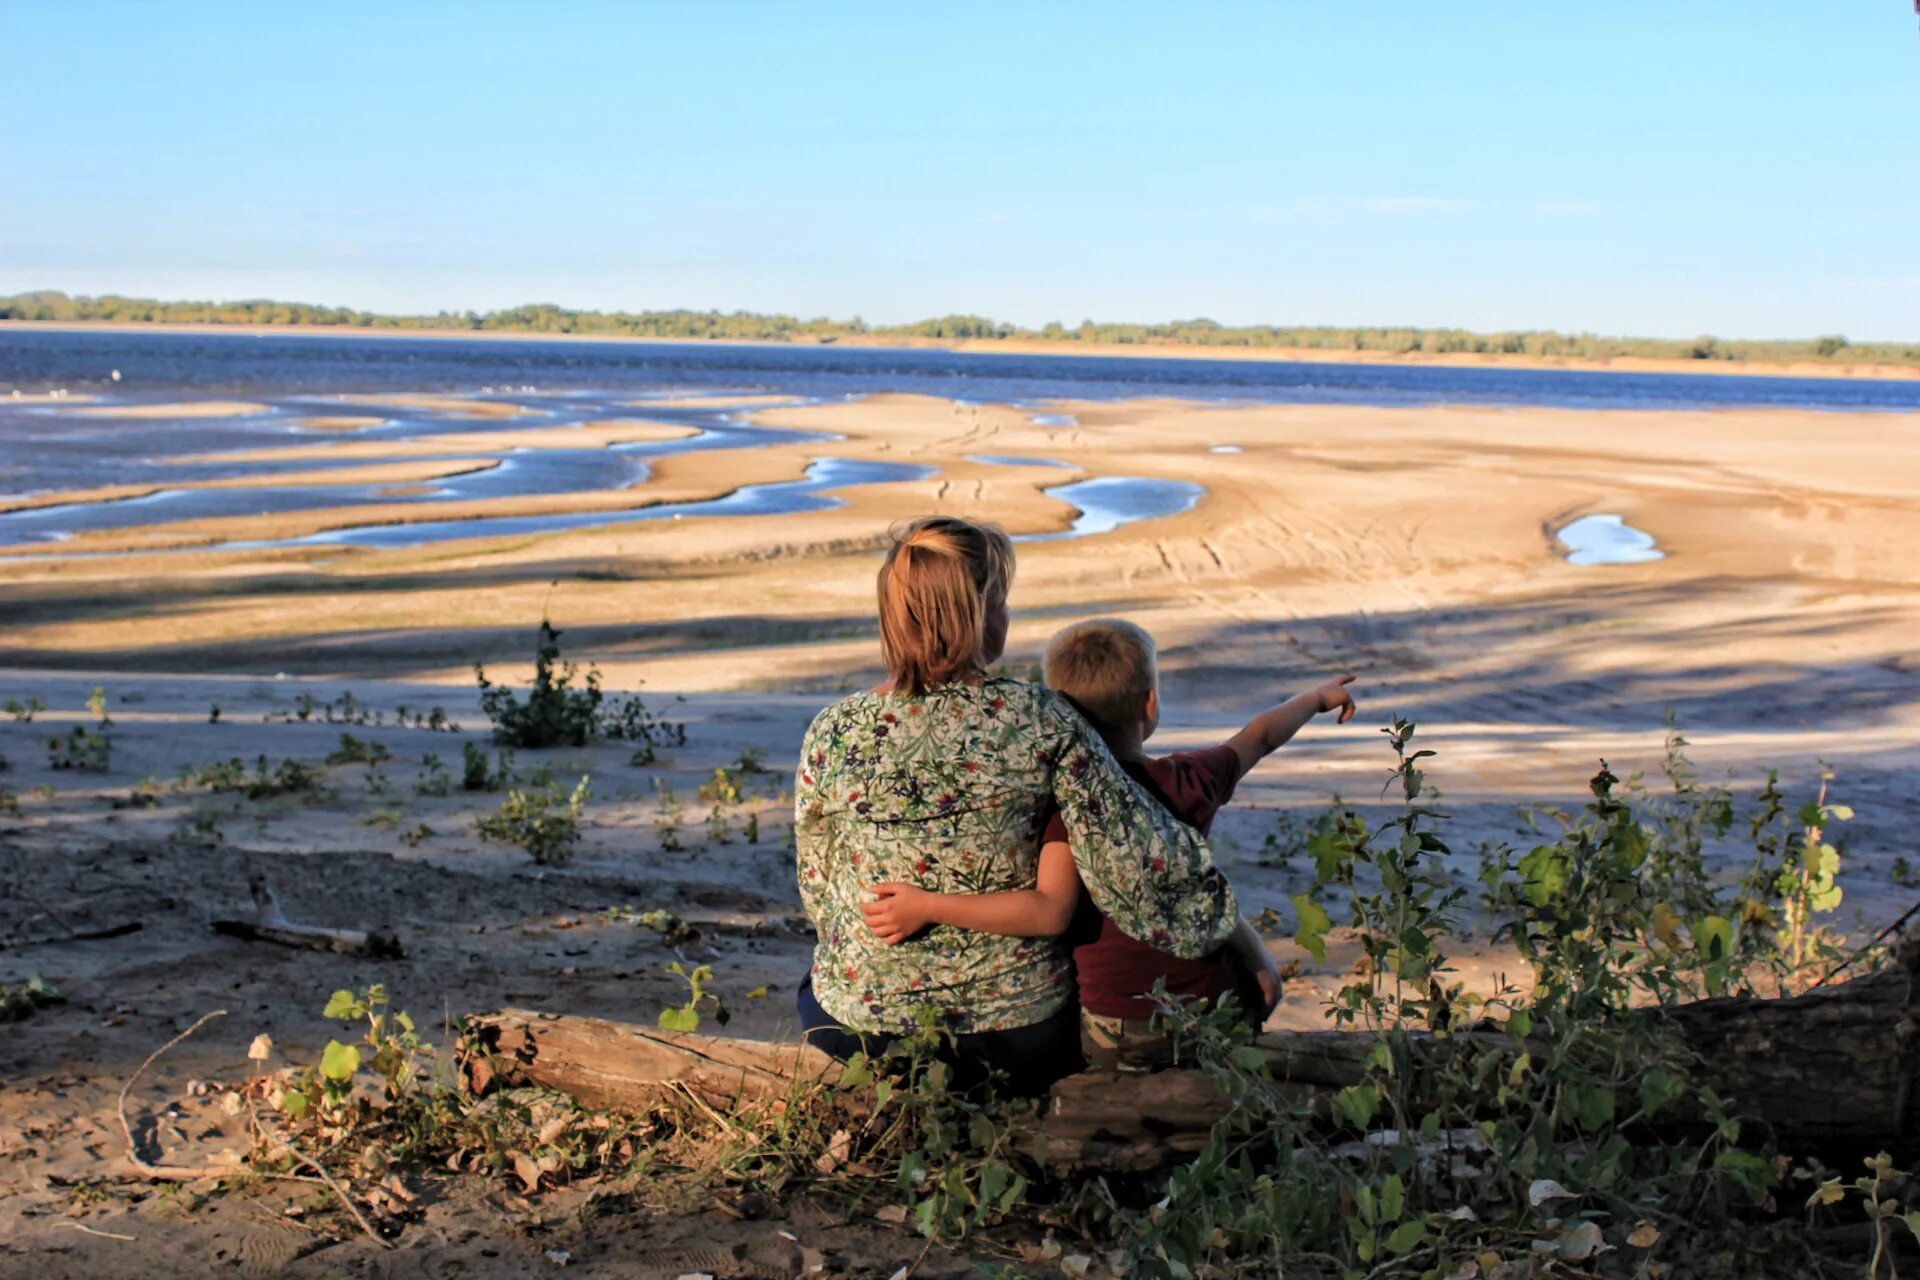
[(1333, 695), (1272, 987), (899, 912)]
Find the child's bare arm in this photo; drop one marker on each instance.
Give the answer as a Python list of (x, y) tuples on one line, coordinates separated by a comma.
[(1267, 732), (1247, 948), (1043, 911)]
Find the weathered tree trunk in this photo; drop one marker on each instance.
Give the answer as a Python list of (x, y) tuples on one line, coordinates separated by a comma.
[(1830, 1070), (619, 1065)]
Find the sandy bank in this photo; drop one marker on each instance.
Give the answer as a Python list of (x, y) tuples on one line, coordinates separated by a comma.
[(1412, 545), (185, 409), (714, 402), (448, 406), (337, 423)]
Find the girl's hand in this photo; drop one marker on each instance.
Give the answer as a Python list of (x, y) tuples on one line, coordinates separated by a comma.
[(1333, 695), (898, 912)]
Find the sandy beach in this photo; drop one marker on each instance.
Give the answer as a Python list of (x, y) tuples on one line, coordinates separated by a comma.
[(1414, 547)]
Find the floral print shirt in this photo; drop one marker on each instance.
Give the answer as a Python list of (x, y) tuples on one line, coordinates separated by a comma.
[(951, 791)]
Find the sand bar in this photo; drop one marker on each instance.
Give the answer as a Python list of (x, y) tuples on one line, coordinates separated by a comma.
[(186, 409), (338, 423)]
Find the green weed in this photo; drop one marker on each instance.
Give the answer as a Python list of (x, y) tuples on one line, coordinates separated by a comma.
[(564, 708), (686, 1017), (538, 821), (353, 751)]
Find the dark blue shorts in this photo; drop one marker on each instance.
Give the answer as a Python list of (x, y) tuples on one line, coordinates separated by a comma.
[(1027, 1059)]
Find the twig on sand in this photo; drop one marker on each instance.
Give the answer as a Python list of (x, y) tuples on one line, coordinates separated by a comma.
[(146, 1166), (84, 935), (182, 1173), (906, 1272), (338, 1191), (104, 1235)]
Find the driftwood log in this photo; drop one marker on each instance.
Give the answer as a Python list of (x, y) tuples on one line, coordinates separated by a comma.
[(270, 924), (1832, 1070)]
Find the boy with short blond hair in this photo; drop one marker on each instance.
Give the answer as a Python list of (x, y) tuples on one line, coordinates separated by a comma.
[(1108, 668)]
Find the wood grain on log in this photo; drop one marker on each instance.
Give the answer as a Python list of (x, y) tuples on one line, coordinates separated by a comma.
[(620, 1065)]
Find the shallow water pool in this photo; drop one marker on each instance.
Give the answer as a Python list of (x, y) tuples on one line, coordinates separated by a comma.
[(1607, 539), (1107, 502), (780, 498)]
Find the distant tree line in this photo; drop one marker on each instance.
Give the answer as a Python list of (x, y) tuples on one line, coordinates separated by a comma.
[(747, 325)]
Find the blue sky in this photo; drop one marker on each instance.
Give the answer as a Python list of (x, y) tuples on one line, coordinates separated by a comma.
[(1749, 169)]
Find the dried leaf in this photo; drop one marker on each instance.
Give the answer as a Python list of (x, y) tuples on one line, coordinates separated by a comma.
[(1542, 1190), (895, 1213), (1581, 1242), (1644, 1236), (528, 1169), (1076, 1265), (838, 1147)]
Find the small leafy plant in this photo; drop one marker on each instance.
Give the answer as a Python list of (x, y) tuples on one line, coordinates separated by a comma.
[(83, 749), (565, 708), (354, 751), (434, 779), (686, 1017), (538, 821), (475, 772), (21, 1000)]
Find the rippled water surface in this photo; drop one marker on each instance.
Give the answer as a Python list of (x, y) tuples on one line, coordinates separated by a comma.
[(292, 362)]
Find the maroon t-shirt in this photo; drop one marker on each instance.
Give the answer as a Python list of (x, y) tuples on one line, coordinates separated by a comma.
[(1115, 971)]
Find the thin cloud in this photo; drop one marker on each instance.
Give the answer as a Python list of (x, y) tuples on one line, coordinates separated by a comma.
[(1415, 204)]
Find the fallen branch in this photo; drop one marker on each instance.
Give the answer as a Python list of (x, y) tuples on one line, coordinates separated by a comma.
[(165, 1172), (84, 935), (270, 924), (104, 1235)]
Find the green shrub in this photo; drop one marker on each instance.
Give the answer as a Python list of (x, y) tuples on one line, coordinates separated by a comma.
[(538, 821), (83, 749), (20, 1001), (353, 751), (475, 775), (564, 708)]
